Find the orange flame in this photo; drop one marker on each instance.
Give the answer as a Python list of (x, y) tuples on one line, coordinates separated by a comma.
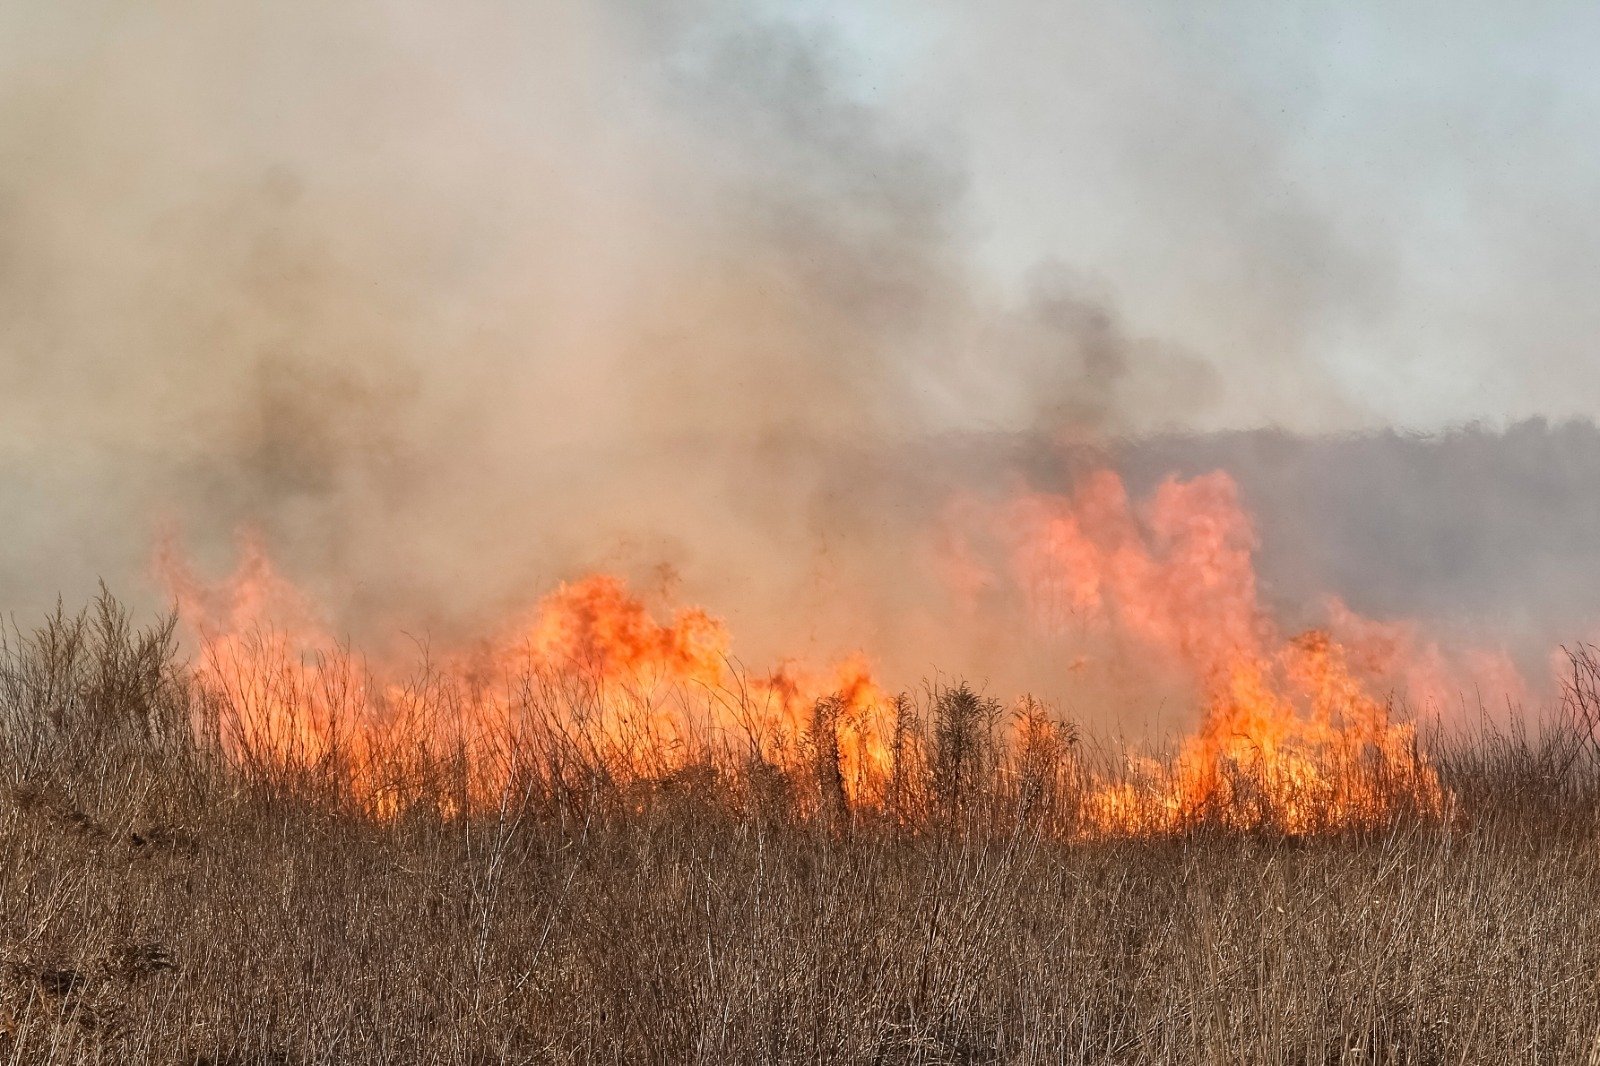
[(590, 662), (1289, 736), (1295, 731)]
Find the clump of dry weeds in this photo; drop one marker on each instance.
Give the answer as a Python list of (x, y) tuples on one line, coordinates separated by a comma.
[(161, 904)]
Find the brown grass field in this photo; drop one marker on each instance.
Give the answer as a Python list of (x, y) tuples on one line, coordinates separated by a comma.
[(162, 903)]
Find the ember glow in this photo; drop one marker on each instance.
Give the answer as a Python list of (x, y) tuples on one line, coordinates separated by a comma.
[(1297, 731)]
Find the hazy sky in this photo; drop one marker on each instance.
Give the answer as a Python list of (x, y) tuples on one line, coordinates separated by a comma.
[(1397, 204), (1352, 213)]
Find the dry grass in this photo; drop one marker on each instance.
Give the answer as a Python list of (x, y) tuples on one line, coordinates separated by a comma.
[(159, 904)]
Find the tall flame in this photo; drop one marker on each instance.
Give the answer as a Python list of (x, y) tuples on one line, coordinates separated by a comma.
[(1288, 733), (1295, 731)]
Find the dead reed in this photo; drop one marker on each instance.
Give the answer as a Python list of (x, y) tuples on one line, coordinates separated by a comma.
[(167, 898)]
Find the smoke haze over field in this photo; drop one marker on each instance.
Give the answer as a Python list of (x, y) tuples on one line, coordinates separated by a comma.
[(453, 301)]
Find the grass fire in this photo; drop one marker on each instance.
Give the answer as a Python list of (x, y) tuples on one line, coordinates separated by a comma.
[(910, 534), (1291, 735)]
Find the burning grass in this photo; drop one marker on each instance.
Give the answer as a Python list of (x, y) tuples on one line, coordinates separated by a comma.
[(174, 891), (1295, 733), (591, 836)]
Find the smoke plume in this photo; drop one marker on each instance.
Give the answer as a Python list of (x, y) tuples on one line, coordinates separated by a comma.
[(454, 301)]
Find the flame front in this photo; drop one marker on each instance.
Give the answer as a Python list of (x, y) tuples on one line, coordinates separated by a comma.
[(1294, 732), (590, 667), (1288, 736)]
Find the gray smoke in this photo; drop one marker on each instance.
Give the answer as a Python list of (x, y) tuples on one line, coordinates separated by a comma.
[(451, 301)]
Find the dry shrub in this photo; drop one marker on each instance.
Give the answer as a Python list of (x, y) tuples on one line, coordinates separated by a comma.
[(964, 744)]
